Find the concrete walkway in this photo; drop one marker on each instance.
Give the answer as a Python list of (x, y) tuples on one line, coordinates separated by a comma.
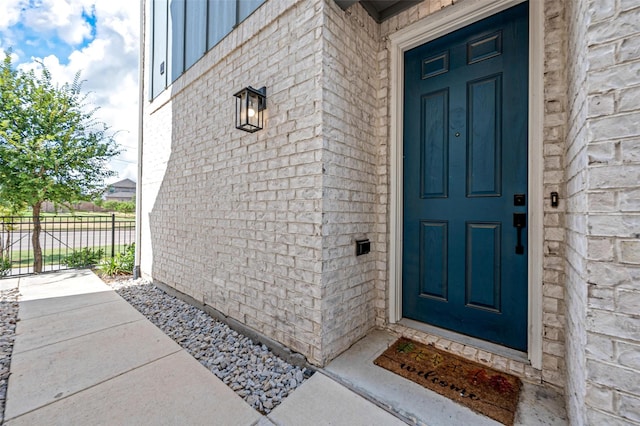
[(83, 355), (538, 405)]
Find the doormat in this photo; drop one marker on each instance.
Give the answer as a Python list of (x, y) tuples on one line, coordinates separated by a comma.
[(484, 390)]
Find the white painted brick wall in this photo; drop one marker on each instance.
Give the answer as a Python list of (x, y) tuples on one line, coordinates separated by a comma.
[(576, 205), (262, 226), (350, 82), (251, 186), (603, 264), (231, 218)]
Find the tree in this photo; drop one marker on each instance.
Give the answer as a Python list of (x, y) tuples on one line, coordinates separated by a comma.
[(51, 146)]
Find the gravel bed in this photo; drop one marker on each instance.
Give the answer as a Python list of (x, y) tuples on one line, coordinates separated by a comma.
[(8, 319), (257, 375)]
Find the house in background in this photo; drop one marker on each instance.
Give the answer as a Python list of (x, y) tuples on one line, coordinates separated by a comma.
[(488, 150), (123, 190)]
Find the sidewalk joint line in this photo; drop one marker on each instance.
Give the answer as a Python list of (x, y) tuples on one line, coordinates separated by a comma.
[(92, 386), (62, 312), (76, 337)]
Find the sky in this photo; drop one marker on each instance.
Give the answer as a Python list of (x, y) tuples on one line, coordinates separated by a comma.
[(99, 38)]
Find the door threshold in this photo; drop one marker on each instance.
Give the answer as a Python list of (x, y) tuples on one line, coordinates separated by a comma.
[(467, 340)]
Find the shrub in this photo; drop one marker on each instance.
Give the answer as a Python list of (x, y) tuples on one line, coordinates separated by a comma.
[(83, 258), (119, 206), (110, 205), (126, 207), (109, 266), (121, 263), (5, 266), (128, 258)]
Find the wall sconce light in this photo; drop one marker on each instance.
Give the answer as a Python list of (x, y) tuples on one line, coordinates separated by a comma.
[(250, 106)]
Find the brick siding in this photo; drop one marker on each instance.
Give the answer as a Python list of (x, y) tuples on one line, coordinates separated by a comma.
[(234, 219), (603, 177), (349, 127), (263, 226)]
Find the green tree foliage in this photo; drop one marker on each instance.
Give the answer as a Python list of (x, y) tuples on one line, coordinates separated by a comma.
[(119, 206), (51, 146)]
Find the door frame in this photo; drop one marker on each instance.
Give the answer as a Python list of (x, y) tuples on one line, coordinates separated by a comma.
[(430, 28)]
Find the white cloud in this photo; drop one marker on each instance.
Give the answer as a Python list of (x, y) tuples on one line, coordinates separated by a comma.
[(63, 17), (9, 15), (108, 63), (10, 12)]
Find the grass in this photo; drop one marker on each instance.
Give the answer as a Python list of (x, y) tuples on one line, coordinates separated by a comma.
[(24, 258), (75, 223), (92, 214), (118, 214), (78, 215)]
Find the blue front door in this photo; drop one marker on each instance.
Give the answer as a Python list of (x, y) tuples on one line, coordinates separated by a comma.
[(465, 180)]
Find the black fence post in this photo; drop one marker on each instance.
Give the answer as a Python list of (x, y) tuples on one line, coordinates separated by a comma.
[(113, 235)]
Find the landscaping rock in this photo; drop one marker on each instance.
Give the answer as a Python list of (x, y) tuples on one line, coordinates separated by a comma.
[(8, 319), (248, 368)]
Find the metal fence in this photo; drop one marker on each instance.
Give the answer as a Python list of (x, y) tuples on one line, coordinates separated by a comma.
[(62, 238)]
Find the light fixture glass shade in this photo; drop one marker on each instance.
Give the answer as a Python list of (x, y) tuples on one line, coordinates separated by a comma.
[(250, 106)]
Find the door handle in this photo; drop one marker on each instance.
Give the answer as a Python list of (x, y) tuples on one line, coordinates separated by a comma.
[(519, 222)]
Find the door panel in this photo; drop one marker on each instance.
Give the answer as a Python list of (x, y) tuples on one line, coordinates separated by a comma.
[(483, 265), (484, 140), (465, 156), (434, 168), (433, 262)]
